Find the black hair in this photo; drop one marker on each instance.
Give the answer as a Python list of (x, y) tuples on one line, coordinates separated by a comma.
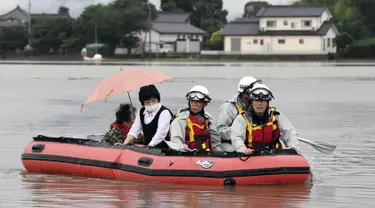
[(124, 112), (147, 93)]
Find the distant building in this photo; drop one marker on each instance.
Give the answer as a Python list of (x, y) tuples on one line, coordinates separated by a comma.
[(172, 32), (291, 29), (19, 16)]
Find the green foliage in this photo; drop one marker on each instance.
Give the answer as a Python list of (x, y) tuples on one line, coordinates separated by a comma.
[(48, 33), (355, 19), (216, 42), (207, 15), (13, 38), (251, 8)]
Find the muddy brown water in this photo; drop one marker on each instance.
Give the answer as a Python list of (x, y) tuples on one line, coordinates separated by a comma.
[(334, 104)]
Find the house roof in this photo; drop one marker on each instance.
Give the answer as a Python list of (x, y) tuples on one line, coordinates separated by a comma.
[(246, 19), (172, 17), (57, 15), (20, 14), (292, 11), (16, 13), (175, 28), (252, 29), (240, 29)]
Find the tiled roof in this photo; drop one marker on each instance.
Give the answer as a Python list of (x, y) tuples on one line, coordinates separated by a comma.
[(292, 11), (172, 17), (175, 28)]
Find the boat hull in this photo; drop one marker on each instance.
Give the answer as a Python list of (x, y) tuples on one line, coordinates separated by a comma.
[(89, 158)]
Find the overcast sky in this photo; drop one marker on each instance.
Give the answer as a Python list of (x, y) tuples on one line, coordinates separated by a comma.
[(234, 7)]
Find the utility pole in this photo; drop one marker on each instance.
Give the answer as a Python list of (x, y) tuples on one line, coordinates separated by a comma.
[(96, 38), (29, 24), (149, 29)]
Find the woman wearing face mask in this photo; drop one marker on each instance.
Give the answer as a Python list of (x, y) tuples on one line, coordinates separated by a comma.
[(193, 128), (153, 119)]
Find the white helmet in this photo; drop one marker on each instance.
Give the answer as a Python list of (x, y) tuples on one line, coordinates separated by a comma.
[(198, 92), (246, 83), (260, 92)]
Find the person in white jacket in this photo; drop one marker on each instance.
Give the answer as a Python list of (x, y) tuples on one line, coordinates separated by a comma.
[(193, 128), (230, 109), (262, 126)]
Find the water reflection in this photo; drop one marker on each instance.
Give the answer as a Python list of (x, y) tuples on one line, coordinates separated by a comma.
[(52, 190)]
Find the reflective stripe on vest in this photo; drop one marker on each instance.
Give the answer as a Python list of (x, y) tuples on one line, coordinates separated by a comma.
[(275, 130), (191, 137), (239, 109)]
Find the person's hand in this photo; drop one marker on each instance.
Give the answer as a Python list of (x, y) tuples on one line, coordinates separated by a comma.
[(248, 151), (129, 140), (297, 150)]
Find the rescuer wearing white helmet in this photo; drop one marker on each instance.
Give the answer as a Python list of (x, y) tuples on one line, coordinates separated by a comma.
[(262, 126), (229, 110), (192, 127)]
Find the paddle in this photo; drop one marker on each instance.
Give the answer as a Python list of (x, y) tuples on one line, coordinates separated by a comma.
[(320, 146)]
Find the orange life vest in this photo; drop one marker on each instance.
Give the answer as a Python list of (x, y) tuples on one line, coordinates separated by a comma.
[(263, 136), (197, 135)]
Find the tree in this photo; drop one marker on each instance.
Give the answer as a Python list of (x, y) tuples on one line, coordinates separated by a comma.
[(251, 8), (13, 38), (63, 10), (207, 15), (117, 23), (216, 42), (49, 32)]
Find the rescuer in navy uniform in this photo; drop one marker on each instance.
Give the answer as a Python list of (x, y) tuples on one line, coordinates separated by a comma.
[(153, 119)]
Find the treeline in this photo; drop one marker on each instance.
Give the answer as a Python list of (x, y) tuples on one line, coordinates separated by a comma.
[(117, 25), (119, 22)]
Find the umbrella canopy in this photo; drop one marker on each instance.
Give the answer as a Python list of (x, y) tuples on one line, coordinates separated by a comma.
[(124, 81)]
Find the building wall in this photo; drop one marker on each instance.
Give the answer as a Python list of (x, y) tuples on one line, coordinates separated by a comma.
[(294, 23), (281, 44), (181, 46), (329, 41)]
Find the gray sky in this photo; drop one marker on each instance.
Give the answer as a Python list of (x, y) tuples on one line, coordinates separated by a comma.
[(234, 7)]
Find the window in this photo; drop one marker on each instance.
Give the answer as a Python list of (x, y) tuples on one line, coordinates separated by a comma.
[(301, 41), (271, 23), (255, 41), (161, 46), (328, 42), (293, 25), (333, 42), (285, 23), (281, 41), (261, 42), (306, 23)]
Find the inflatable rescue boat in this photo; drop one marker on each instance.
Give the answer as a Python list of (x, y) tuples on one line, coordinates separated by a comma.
[(90, 158)]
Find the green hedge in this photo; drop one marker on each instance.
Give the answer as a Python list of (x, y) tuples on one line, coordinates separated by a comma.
[(361, 49)]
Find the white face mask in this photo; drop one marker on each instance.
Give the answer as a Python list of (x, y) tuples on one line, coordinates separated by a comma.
[(153, 108)]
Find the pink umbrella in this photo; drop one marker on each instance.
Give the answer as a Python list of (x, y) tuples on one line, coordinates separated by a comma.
[(124, 81)]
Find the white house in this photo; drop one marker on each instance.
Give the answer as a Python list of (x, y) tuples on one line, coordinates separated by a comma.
[(172, 32), (291, 29)]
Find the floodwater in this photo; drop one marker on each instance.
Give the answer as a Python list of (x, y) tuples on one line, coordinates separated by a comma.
[(334, 104)]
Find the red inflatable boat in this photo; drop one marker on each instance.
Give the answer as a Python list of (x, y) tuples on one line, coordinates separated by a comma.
[(89, 158)]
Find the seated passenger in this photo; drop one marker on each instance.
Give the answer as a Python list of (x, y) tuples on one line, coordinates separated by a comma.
[(153, 119), (119, 129), (230, 109), (262, 126), (193, 128)]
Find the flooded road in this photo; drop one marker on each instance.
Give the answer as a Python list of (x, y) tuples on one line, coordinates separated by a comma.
[(334, 104)]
